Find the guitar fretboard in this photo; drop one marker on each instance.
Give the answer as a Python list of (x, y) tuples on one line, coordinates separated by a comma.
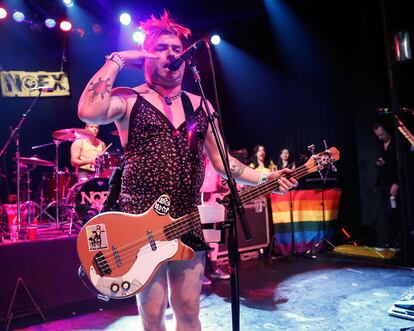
[(192, 221)]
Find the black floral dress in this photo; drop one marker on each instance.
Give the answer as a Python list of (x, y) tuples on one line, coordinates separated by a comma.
[(158, 160)]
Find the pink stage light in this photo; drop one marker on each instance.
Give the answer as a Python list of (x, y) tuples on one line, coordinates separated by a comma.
[(65, 26), (3, 13)]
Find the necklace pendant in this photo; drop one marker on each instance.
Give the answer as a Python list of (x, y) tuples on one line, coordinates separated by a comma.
[(168, 101)]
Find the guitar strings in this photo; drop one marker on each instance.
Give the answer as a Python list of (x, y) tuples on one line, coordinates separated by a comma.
[(181, 225)]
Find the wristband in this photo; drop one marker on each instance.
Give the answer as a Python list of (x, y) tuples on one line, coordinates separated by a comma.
[(115, 57)]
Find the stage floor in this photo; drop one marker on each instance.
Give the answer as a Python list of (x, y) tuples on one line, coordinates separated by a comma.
[(330, 292)]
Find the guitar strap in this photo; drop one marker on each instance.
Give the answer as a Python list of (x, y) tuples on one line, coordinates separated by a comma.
[(191, 126)]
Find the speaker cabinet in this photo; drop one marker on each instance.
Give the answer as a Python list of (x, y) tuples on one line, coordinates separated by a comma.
[(258, 219)]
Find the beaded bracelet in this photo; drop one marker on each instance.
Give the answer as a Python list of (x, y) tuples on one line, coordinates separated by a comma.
[(115, 57), (262, 178)]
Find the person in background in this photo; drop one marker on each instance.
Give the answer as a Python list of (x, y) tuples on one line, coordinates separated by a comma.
[(387, 224), (285, 160), (260, 160), (83, 152)]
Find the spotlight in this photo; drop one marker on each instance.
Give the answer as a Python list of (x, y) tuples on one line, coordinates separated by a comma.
[(125, 19), (68, 3), (18, 16), (50, 23), (138, 36), (3, 13), (65, 26), (215, 39)]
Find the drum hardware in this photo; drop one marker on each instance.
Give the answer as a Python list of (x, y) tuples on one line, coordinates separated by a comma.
[(15, 135), (87, 196), (72, 134), (59, 137), (107, 162)]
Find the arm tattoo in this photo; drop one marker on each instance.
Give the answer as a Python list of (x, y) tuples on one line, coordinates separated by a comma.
[(236, 168), (99, 88)]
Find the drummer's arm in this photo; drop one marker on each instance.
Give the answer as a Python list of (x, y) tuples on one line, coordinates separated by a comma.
[(75, 153), (99, 104)]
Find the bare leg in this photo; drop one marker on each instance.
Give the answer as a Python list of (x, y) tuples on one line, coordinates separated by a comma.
[(152, 302), (184, 279)]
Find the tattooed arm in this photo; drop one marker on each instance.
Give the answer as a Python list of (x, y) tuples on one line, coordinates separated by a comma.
[(95, 104), (99, 103)]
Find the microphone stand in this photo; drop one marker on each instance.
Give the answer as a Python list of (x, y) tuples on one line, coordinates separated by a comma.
[(15, 135), (234, 207)]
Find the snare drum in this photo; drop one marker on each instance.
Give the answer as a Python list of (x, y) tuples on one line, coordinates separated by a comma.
[(106, 163), (88, 195)]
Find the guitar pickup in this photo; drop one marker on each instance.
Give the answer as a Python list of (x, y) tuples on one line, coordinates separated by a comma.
[(151, 240), (116, 256), (101, 264)]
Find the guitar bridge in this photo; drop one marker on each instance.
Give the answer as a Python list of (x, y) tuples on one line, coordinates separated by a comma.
[(101, 264)]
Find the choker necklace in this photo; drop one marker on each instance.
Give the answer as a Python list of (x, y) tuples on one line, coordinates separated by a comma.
[(168, 100)]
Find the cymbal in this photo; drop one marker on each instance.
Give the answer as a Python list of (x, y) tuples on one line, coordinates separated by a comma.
[(115, 133), (36, 161), (72, 134)]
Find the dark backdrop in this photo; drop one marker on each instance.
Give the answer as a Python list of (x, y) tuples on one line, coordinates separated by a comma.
[(317, 72)]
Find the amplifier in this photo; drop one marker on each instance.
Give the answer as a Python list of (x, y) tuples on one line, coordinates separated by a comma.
[(258, 219)]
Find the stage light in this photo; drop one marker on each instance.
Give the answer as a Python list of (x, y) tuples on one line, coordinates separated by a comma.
[(18, 16), (215, 39), (125, 19), (50, 23), (3, 13), (68, 3), (138, 36), (65, 26)]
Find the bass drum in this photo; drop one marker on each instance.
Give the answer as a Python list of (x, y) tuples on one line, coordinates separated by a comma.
[(87, 197)]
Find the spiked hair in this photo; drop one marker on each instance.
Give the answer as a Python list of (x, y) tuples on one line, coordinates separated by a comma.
[(154, 27)]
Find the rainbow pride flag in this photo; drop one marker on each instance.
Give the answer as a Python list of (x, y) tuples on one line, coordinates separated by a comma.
[(311, 215)]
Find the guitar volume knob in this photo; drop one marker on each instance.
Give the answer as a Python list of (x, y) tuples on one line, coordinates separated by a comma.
[(126, 286), (114, 287)]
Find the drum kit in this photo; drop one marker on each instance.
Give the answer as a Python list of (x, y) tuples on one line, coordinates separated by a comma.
[(63, 198)]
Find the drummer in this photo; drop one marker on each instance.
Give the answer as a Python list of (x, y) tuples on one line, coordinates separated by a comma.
[(84, 152)]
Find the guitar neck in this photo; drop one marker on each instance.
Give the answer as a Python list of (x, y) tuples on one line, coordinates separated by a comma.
[(405, 132), (270, 186), (191, 221)]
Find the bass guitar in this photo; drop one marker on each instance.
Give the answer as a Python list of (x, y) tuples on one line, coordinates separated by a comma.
[(120, 253)]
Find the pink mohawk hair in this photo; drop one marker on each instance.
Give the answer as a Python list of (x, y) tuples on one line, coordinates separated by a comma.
[(154, 27)]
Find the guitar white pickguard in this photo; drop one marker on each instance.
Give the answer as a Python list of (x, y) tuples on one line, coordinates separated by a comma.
[(142, 269)]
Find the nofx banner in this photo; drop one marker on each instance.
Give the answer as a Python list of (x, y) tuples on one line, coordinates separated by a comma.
[(21, 83)]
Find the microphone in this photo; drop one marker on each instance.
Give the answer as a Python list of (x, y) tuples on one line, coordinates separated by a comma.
[(42, 89), (186, 55)]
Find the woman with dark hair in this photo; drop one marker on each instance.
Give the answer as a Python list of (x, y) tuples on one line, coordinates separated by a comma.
[(285, 160), (260, 161)]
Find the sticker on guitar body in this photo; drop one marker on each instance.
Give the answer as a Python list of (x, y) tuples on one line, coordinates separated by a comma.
[(97, 237), (162, 205)]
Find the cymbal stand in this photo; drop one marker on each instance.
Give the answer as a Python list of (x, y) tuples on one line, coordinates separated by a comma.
[(56, 169), (56, 143), (15, 135), (28, 203)]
